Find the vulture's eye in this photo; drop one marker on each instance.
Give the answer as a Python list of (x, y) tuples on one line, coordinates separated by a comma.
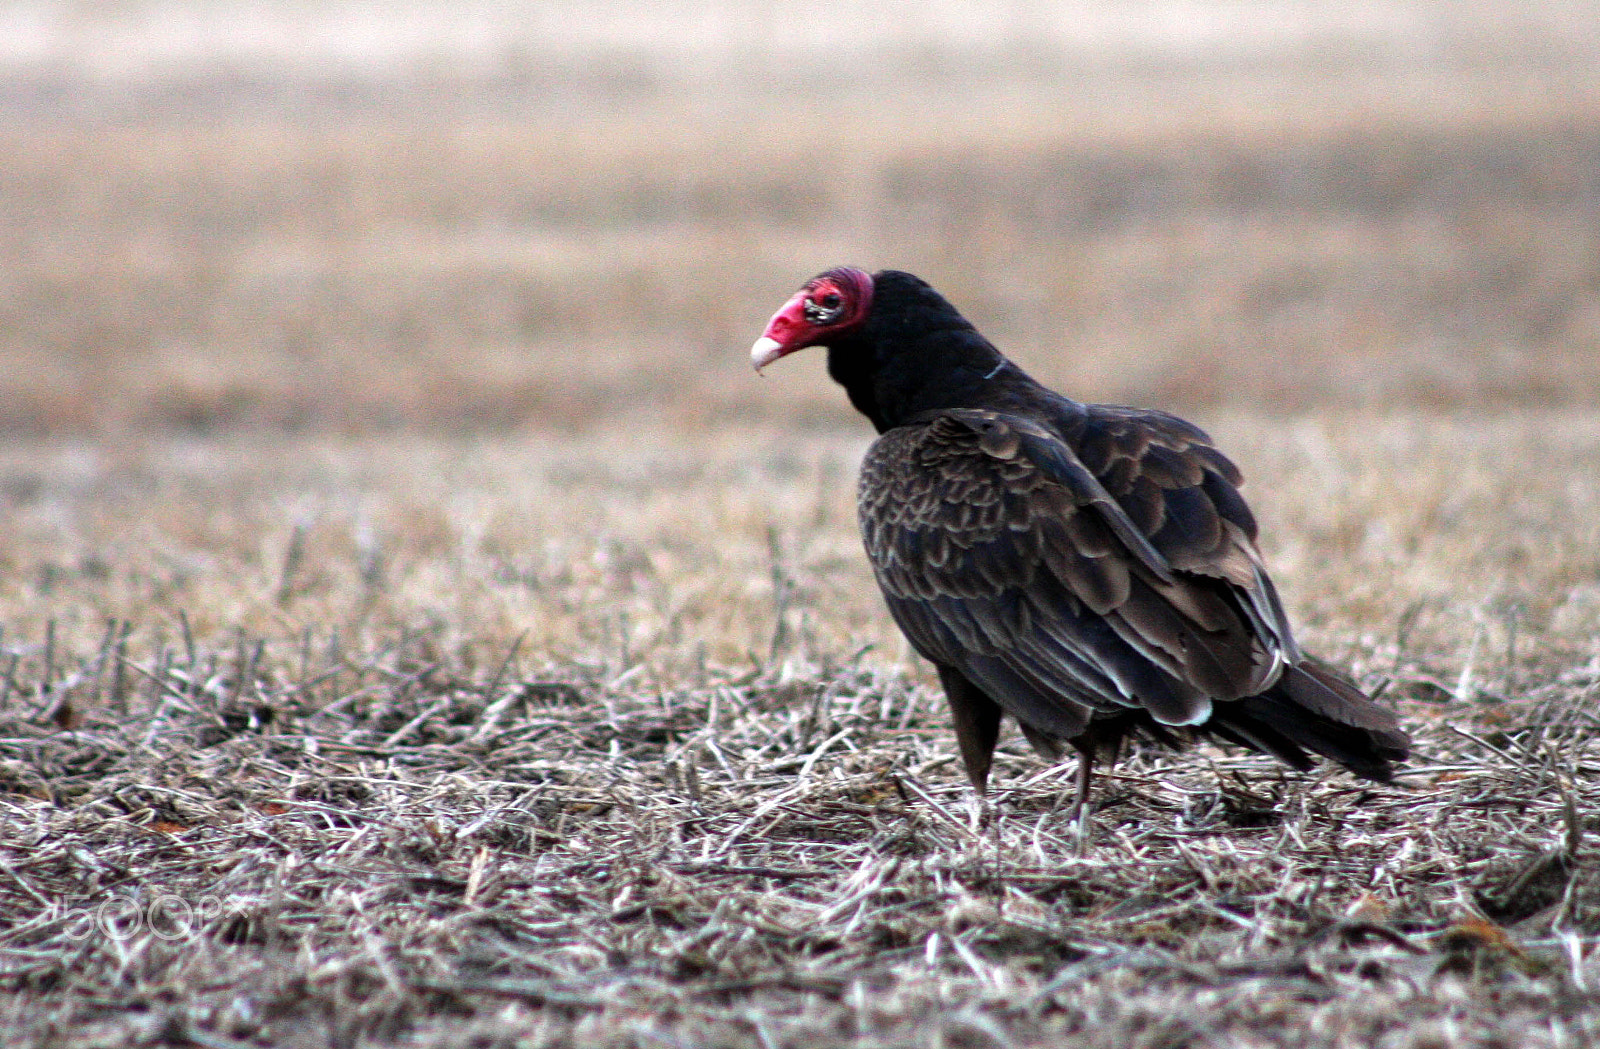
[(825, 308)]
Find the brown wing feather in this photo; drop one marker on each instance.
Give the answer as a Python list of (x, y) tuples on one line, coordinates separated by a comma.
[(1183, 495), (1004, 555)]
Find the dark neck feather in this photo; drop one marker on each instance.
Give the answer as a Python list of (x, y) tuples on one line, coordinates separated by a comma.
[(916, 353)]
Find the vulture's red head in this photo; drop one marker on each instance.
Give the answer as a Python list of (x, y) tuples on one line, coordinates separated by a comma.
[(830, 305)]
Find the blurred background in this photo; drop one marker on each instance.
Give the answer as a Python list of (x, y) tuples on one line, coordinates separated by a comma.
[(339, 217)]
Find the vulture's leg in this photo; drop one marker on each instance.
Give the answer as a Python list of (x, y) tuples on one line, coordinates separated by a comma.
[(977, 724)]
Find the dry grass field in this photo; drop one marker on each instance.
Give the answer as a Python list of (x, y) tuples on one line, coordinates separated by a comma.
[(418, 626)]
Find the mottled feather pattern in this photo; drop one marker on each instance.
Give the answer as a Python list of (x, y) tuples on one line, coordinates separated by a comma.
[(956, 511)]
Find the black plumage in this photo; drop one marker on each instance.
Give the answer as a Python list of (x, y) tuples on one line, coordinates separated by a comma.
[(1090, 570)]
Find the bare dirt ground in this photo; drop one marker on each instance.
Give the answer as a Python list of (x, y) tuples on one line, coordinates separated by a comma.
[(420, 628)]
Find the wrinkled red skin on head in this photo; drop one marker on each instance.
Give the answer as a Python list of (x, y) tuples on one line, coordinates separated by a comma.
[(789, 327), (807, 320)]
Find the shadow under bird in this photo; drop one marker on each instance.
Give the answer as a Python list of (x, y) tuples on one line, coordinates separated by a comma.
[(1090, 570)]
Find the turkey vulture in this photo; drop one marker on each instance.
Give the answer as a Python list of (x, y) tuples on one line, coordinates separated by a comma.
[(1090, 570)]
